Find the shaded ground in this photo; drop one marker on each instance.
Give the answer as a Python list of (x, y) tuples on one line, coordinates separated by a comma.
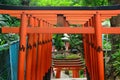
[(71, 79), (66, 77)]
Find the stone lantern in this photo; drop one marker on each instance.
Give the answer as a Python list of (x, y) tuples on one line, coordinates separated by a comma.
[(66, 40)]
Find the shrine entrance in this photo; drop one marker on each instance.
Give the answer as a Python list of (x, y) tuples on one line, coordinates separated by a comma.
[(36, 29)]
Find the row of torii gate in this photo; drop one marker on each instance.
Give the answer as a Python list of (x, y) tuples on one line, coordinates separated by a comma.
[(38, 25)]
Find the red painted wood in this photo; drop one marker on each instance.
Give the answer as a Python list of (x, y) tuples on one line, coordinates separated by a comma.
[(22, 51), (39, 55), (98, 33), (29, 53)]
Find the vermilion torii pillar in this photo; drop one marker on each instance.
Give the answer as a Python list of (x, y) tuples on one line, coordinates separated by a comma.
[(22, 52), (34, 56), (29, 51), (98, 34), (39, 54)]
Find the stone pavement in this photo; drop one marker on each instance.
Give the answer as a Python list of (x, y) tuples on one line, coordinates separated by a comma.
[(66, 77), (70, 79)]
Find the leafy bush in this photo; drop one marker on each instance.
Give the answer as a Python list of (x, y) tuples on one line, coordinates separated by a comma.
[(81, 73), (106, 44), (59, 56), (6, 20), (72, 56), (116, 62)]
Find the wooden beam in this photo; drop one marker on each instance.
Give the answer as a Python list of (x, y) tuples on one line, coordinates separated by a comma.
[(61, 30), (10, 30), (58, 30), (105, 30), (39, 12), (67, 12), (111, 30), (81, 15)]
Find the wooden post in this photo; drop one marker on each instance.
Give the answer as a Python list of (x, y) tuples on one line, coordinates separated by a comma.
[(48, 54), (29, 52), (60, 20), (50, 50), (39, 55), (34, 60), (98, 32), (75, 73), (46, 48), (49, 47), (92, 58), (89, 61), (91, 52), (95, 52), (85, 49), (87, 56), (42, 47), (58, 72), (22, 50), (43, 52)]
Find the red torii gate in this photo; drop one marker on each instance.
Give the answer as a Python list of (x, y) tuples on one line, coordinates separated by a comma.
[(37, 26), (70, 64)]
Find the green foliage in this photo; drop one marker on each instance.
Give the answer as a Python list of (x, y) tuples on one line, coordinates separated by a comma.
[(116, 62), (72, 56), (76, 42), (4, 48), (55, 2), (4, 64), (2, 39), (81, 72), (58, 42), (2, 21), (6, 38), (6, 20), (95, 2), (59, 56), (106, 45), (10, 2)]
